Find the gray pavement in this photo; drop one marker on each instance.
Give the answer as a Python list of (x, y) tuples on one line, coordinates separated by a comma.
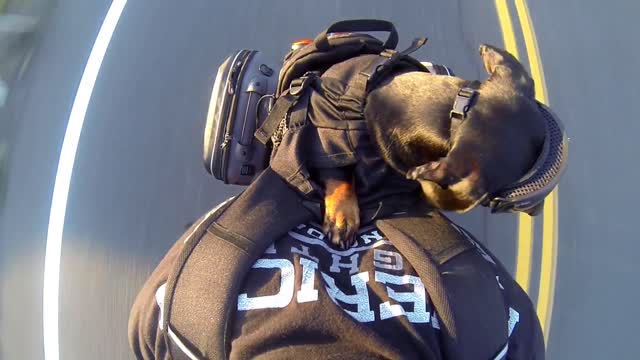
[(138, 177), (591, 62)]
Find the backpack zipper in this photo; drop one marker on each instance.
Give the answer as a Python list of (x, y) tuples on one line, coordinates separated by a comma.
[(235, 80)]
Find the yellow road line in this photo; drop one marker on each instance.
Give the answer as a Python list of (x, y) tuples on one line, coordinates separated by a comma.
[(546, 292), (525, 251), (544, 305), (532, 50), (525, 222), (507, 27)]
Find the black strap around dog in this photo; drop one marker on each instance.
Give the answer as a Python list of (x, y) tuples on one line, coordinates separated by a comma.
[(465, 99), (392, 61)]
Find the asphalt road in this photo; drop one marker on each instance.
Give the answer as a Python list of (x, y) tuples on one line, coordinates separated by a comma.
[(138, 177)]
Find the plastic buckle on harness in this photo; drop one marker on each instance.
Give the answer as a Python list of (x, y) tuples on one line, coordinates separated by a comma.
[(300, 84), (462, 104)]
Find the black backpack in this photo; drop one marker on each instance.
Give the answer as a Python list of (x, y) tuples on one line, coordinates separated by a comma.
[(320, 103), (197, 323), (220, 248), (339, 42)]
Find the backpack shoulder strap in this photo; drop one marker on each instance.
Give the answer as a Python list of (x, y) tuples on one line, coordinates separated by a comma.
[(217, 256), (460, 284)]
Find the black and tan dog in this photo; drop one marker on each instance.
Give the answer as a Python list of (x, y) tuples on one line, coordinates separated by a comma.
[(457, 162)]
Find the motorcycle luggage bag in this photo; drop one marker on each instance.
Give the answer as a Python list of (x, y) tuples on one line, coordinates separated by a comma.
[(243, 88)]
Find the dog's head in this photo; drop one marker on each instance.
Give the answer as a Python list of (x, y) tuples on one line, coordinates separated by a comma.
[(459, 162)]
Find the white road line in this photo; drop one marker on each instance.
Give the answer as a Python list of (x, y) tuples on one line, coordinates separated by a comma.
[(50, 296)]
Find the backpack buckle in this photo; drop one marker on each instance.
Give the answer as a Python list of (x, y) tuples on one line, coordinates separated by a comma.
[(298, 85), (463, 103)]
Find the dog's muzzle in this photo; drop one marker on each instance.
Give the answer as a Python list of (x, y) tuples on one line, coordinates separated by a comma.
[(528, 194)]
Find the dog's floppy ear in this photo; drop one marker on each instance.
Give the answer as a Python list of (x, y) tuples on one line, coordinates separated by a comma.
[(504, 68), (449, 186), (435, 171)]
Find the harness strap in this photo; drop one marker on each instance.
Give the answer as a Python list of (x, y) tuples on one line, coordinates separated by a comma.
[(279, 111), (284, 103), (415, 45), (389, 61), (299, 111)]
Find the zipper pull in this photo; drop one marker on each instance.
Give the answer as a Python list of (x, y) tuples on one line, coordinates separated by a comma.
[(225, 142)]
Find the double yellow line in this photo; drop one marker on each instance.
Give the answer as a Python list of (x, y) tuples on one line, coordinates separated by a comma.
[(546, 288)]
